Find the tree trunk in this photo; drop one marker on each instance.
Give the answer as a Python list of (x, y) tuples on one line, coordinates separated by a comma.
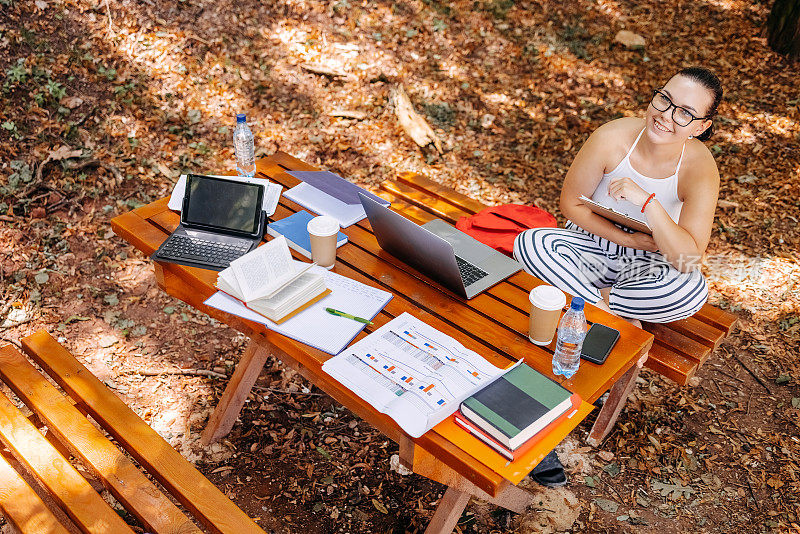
[(783, 28)]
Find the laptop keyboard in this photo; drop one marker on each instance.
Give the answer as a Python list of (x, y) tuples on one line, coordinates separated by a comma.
[(181, 247), (469, 273)]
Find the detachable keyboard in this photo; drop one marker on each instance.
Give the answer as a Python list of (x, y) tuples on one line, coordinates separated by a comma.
[(185, 248), (469, 273)]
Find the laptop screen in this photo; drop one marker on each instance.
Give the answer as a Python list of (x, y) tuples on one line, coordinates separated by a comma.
[(219, 204)]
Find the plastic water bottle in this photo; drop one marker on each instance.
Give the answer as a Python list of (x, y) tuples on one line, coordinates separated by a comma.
[(571, 331), (244, 148)]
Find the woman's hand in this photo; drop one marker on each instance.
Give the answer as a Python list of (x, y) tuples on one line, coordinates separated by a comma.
[(642, 241), (627, 189)]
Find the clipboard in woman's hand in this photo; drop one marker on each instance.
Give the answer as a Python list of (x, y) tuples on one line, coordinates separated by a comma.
[(615, 216)]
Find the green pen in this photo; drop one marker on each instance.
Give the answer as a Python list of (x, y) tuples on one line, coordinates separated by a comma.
[(347, 316)]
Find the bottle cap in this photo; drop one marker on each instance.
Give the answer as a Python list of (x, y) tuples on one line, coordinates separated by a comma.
[(241, 117), (577, 304), (323, 226)]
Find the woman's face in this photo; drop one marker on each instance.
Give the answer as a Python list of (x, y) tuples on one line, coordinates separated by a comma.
[(688, 94)]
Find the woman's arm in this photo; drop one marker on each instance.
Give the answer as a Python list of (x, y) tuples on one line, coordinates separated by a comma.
[(583, 177), (682, 243)]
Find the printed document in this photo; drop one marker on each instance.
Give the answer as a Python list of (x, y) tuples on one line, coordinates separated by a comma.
[(412, 372)]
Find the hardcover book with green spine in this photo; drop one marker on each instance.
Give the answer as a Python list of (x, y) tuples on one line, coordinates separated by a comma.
[(517, 405)]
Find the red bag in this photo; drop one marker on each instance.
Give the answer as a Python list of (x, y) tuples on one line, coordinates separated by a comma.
[(498, 226)]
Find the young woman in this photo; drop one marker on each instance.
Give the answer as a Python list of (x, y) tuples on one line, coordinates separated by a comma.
[(656, 170)]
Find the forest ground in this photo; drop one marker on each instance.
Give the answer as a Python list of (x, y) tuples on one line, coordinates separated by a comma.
[(105, 103)]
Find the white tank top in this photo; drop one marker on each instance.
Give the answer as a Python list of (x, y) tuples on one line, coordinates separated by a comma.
[(666, 189)]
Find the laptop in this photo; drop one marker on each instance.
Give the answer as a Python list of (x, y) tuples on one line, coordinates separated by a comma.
[(221, 220), (457, 261)]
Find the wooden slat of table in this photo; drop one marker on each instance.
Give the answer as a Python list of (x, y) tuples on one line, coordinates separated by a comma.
[(308, 361), (352, 262), (439, 208), (419, 181), (186, 484), (75, 496), (22, 507), (500, 306), (120, 476)]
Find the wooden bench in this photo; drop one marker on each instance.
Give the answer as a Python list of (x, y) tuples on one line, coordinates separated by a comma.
[(679, 348), (64, 500)]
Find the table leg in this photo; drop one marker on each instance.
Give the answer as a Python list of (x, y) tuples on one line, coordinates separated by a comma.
[(447, 514), (247, 370), (613, 406), (459, 489)]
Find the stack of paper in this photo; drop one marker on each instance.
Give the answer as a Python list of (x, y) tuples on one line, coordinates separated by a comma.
[(269, 282), (326, 193)]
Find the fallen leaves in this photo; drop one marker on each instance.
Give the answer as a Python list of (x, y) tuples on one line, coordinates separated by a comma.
[(379, 506), (607, 505), (511, 93), (629, 39), (673, 491)]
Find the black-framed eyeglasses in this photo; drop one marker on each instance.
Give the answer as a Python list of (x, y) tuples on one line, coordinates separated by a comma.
[(680, 116)]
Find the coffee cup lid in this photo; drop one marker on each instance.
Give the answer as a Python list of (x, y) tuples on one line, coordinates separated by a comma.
[(323, 226), (548, 298)]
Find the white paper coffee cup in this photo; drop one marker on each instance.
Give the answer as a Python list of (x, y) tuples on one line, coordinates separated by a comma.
[(322, 231), (546, 305)]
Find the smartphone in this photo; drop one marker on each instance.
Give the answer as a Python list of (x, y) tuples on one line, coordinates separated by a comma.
[(597, 344)]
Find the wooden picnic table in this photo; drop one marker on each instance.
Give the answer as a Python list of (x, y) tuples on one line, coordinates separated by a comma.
[(493, 324)]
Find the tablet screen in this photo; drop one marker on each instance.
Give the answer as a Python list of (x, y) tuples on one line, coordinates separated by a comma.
[(216, 203)]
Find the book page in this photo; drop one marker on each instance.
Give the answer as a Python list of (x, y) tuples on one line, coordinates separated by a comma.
[(265, 270), (293, 290), (226, 281), (412, 372)]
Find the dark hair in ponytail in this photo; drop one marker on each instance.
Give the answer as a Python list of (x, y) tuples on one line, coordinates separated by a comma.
[(709, 80)]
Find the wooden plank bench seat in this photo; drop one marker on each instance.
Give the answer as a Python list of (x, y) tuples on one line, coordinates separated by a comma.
[(42, 491), (680, 347)]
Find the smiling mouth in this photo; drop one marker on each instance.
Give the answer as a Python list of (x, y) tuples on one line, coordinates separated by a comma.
[(661, 127)]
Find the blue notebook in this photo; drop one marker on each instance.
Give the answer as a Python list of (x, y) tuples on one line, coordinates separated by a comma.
[(294, 229)]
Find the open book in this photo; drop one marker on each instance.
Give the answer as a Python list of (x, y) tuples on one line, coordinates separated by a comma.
[(268, 281), (615, 216)]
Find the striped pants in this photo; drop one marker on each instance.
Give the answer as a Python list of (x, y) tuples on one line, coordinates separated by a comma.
[(643, 284)]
